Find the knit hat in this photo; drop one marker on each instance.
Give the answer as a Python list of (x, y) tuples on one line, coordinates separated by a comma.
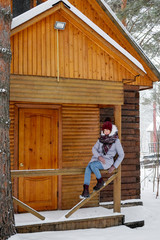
[(107, 125)]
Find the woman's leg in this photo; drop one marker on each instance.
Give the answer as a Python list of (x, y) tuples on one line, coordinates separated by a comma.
[(95, 167), (87, 175), (92, 167)]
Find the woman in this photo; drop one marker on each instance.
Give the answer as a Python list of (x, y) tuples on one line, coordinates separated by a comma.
[(104, 151)]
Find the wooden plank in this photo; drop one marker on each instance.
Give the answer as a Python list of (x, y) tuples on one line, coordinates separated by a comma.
[(53, 40), (44, 48), (49, 172), (75, 53), (71, 50), (85, 200), (20, 46), (50, 79), (30, 50), (25, 51), (85, 57), (39, 49), (65, 43), (49, 47), (12, 50), (80, 55), (67, 90), (28, 209), (16, 54), (35, 49)]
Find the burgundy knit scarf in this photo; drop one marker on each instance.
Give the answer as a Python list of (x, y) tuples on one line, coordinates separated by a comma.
[(108, 141)]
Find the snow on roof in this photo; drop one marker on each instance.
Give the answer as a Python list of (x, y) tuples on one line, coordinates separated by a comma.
[(150, 127), (50, 3)]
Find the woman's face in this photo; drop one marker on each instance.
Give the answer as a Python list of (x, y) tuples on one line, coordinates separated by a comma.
[(107, 131)]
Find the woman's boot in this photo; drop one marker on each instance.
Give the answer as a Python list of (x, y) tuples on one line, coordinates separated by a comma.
[(100, 183), (85, 193)]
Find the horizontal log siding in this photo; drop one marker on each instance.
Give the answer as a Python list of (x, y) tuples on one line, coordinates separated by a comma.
[(82, 91), (34, 52), (131, 145), (80, 130)]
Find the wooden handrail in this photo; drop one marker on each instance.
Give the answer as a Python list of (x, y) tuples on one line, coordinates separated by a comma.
[(85, 200), (50, 172), (54, 172), (28, 209)]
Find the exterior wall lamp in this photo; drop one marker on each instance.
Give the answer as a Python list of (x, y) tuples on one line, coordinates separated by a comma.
[(58, 26)]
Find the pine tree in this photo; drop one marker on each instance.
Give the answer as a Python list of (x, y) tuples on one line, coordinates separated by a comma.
[(142, 20), (7, 226)]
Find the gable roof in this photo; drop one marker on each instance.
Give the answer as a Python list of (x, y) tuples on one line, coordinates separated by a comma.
[(128, 36), (25, 17)]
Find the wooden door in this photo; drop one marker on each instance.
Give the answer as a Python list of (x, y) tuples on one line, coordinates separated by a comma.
[(38, 149)]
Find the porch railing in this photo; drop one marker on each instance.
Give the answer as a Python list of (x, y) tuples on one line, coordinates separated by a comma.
[(65, 171)]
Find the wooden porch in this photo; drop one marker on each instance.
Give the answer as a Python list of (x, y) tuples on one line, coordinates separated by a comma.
[(65, 222), (95, 217), (73, 224)]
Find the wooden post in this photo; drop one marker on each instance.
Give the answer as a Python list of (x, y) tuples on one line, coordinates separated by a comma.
[(117, 181), (28, 209)]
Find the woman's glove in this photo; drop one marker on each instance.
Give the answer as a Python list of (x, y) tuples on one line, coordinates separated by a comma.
[(111, 169), (101, 159)]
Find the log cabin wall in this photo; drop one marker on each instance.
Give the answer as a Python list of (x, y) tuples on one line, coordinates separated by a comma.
[(131, 145), (80, 126), (80, 130)]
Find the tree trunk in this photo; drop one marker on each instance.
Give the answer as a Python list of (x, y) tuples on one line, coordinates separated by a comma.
[(123, 6), (7, 226)]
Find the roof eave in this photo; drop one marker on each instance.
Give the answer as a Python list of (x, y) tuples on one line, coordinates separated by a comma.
[(131, 40)]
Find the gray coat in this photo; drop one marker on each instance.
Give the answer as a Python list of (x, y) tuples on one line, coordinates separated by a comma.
[(116, 148)]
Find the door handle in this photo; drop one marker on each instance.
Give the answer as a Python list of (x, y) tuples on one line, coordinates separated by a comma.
[(21, 164)]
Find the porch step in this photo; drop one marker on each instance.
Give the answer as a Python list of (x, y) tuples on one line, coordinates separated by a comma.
[(125, 203), (98, 222), (135, 224)]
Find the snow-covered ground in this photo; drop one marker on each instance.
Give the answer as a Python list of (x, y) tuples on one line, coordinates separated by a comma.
[(149, 212)]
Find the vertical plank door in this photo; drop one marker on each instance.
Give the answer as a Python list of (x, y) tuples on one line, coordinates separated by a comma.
[(38, 148)]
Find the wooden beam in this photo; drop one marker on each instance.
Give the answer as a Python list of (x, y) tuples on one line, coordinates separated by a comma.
[(85, 200), (49, 172), (117, 181), (83, 91), (28, 209)]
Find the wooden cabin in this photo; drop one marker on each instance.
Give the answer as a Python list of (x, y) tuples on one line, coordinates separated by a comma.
[(63, 85)]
